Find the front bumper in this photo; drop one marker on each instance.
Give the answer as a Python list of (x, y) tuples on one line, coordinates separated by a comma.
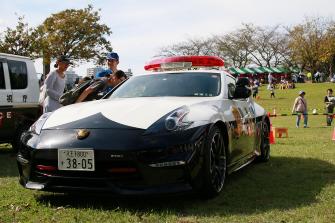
[(131, 164)]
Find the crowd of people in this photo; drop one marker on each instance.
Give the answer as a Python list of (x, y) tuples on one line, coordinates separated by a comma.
[(300, 103)]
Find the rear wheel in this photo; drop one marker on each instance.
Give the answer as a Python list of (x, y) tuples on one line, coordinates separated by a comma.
[(265, 144), (215, 163)]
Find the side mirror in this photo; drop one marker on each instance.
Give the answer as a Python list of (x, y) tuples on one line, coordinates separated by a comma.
[(243, 89)]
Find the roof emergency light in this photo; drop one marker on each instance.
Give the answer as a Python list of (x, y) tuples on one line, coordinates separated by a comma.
[(183, 62)]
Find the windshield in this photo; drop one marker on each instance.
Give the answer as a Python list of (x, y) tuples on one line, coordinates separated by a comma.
[(172, 84)]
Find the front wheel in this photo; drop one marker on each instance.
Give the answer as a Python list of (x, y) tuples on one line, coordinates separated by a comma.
[(215, 163), (265, 144)]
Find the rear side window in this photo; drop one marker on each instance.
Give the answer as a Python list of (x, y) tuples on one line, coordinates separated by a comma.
[(18, 74), (2, 77)]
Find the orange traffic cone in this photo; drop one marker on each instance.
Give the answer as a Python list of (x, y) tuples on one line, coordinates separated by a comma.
[(333, 134), (271, 135)]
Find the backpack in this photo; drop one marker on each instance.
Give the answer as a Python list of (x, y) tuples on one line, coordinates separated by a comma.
[(72, 95)]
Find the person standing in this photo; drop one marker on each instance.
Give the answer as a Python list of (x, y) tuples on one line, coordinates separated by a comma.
[(55, 84), (272, 91), (254, 89), (112, 63), (300, 108), (317, 76), (271, 79), (330, 104)]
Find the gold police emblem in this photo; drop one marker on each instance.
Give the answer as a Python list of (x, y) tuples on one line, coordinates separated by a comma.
[(82, 133)]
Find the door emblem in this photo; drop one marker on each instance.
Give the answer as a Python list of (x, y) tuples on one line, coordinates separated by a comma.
[(82, 133)]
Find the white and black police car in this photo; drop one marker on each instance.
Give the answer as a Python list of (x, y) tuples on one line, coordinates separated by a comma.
[(19, 92), (183, 127)]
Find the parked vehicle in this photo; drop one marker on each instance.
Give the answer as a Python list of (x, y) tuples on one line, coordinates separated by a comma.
[(19, 92), (169, 131)]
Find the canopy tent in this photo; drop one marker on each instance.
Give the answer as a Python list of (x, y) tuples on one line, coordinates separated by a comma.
[(260, 70), (265, 70), (276, 70), (256, 70), (283, 70), (236, 71), (247, 70)]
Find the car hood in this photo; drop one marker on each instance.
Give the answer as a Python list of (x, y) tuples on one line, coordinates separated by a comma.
[(123, 112)]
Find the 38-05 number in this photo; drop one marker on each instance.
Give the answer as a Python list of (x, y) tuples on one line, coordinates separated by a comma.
[(79, 164)]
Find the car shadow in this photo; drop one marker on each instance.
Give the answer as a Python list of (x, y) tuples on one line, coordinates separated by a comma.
[(282, 183), (7, 161)]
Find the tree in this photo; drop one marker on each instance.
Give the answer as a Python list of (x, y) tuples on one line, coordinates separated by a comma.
[(189, 47), (75, 33), (235, 47), (249, 44), (329, 48), (308, 43), (19, 41)]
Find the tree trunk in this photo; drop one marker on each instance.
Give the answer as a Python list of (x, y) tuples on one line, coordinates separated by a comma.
[(46, 65)]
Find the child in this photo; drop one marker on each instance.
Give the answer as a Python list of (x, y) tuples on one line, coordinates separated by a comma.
[(272, 91)]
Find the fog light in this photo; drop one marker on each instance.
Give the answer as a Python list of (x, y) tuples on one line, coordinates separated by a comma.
[(34, 186), (166, 164)]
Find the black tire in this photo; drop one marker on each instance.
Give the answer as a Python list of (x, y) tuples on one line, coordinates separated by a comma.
[(264, 144), (215, 163), (17, 144)]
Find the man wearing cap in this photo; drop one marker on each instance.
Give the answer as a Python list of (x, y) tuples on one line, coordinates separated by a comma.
[(112, 62), (54, 84), (300, 108)]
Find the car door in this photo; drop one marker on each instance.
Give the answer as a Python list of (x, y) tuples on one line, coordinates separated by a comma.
[(242, 124), (6, 103), (248, 137)]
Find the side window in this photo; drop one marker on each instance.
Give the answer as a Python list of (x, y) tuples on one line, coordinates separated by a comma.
[(231, 86), (18, 74), (2, 77)]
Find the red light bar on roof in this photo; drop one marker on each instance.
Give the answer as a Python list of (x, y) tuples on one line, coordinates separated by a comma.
[(184, 62)]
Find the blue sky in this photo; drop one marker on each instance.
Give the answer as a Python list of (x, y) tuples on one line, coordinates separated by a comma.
[(141, 28)]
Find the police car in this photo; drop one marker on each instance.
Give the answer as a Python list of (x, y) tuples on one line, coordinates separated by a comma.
[(182, 127), (19, 92)]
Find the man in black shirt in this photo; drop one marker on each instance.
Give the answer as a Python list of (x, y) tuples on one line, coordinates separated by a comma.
[(330, 103)]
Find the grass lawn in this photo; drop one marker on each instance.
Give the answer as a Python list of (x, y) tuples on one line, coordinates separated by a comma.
[(296, 185)]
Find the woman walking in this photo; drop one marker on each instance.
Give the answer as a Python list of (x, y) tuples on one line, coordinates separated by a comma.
[(300, 108)]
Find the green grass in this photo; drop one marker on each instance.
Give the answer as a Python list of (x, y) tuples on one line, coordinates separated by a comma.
[(296, 185)]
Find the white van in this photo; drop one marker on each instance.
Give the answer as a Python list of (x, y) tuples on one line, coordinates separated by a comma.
[(19, 93)]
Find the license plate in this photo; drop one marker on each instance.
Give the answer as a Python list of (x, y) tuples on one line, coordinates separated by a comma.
[(76, 159)]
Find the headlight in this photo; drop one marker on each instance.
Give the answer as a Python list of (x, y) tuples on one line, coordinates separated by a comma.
[(177, 120), (37, 126)]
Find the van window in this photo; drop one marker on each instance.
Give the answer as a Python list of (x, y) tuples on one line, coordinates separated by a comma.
[(2, 77), (18, 74)]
